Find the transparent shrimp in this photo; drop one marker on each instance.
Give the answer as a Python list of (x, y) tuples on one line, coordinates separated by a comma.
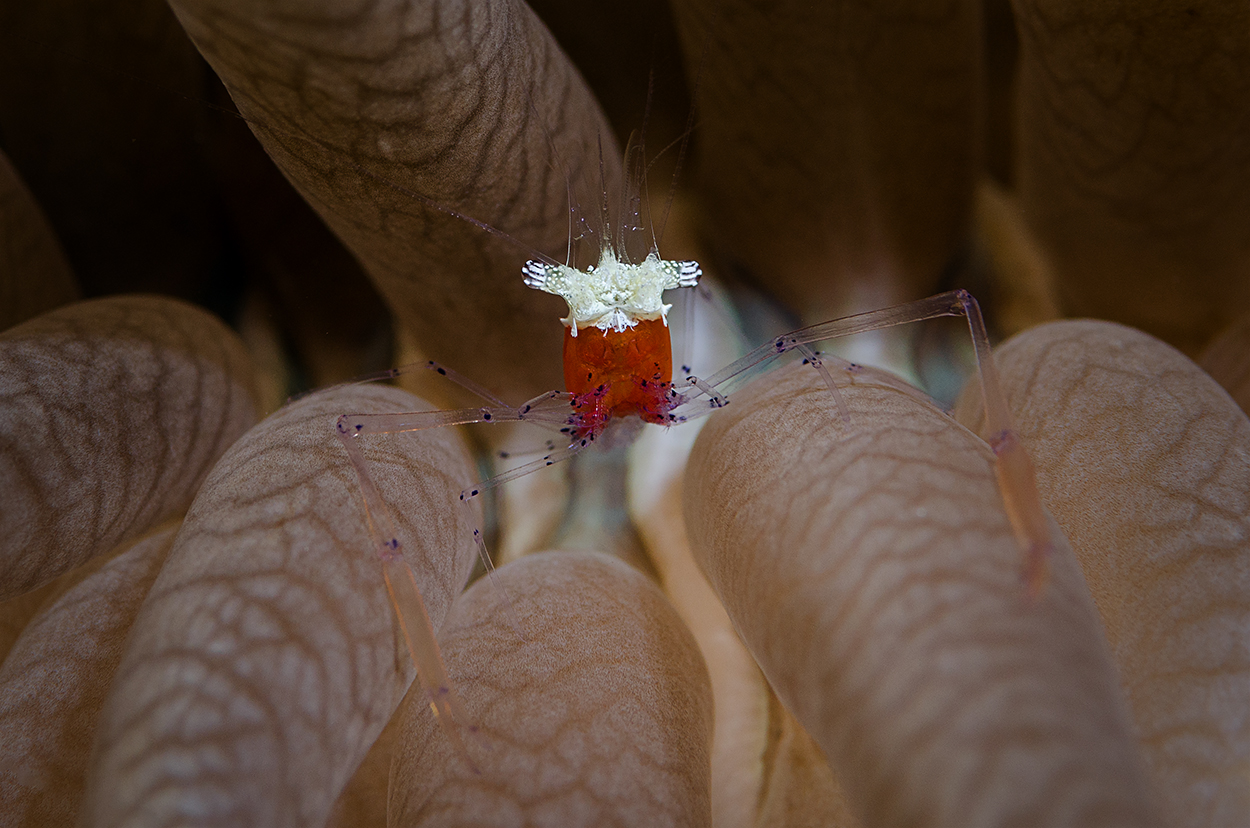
[(640, 389), (618, 364)]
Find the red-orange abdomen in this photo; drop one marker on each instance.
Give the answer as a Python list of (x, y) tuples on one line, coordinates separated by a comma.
[(617, 373)]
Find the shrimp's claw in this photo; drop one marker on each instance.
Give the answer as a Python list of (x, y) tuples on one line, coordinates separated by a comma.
[(535, 274), (682, 274)]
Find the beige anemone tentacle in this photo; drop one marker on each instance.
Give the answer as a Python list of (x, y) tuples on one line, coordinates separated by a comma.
[(1133, 167), (378, 114), (1227, 360), (765, 769), (816, 121), (1145, 463), (266, 658), (362, 804), (112, 412), (53, 684), (873, 573), (502, 361), (604, 721)]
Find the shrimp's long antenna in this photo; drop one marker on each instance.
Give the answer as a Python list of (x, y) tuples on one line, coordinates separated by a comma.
[(644, 187), (685, 136), (434, 205), (555, 163), (635, 185), (411, 368), (630, 215), (605, 221)]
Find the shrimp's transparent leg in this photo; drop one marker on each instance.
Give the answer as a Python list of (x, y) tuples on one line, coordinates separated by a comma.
[(489, 565), (1017, 479), (405, 597), (813, 359), (550, 409), (549, 459), (1013, 467), (520, 471), (401, 588), (427, 365)]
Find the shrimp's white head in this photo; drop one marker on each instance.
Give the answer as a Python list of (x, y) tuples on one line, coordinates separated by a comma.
[(613, 295)]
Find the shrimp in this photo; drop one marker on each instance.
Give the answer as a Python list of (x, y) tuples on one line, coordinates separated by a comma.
[(618, 369), (618, 365)]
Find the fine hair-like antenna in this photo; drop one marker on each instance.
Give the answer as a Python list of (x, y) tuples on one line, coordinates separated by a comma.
[(685, 136), (556, 163)]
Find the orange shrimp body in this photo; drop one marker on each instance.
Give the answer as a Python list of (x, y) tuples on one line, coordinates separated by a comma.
[(618, 359), (617, 373)]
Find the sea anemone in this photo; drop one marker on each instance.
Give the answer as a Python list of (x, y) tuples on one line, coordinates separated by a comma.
[(197, 625)]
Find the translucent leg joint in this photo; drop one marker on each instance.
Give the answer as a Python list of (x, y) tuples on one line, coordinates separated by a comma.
[(715, 398), (813, 359)]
